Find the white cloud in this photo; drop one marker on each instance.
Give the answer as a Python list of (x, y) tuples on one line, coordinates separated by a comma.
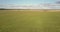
[(36, 6)]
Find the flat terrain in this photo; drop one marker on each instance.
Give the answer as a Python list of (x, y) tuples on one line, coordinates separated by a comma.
[(29, 21)]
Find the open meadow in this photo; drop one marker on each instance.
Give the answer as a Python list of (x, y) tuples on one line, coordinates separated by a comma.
[(29, 21)]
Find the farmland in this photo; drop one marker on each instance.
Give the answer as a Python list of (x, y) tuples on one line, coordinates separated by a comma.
[(29, 21)]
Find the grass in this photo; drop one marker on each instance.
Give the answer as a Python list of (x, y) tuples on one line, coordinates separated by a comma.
[(29, 21)]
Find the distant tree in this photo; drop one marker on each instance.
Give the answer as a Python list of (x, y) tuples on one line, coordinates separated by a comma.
[(2, 8)]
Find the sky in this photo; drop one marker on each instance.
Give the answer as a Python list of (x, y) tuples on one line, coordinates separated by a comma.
[(6, 3), (26, 1)]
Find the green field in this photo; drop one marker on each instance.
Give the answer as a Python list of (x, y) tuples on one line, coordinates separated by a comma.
[(29, 21)]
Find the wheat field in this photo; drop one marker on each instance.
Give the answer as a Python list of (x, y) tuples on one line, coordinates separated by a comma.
[(29, 21)]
